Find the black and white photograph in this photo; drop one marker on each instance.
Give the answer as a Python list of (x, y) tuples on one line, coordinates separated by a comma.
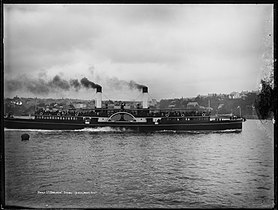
[(138, 105)]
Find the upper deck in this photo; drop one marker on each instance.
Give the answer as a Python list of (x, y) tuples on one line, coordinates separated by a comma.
[(105, 112)]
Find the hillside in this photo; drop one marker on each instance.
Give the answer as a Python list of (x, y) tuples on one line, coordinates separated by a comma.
[(220, 103)]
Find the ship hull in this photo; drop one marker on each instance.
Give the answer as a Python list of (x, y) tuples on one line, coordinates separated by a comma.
[(189, 126)]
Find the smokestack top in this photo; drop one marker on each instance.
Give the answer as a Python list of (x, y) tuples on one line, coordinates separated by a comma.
[(99, 89), (145, 89)]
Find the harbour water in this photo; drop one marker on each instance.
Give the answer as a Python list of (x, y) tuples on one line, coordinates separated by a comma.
[(113, 168)]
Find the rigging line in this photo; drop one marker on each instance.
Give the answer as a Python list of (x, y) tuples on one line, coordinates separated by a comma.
[(106, 97), (94, 95), (138, 96), (150, 96)]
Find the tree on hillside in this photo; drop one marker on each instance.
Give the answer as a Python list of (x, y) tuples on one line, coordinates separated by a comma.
[(266, 100)]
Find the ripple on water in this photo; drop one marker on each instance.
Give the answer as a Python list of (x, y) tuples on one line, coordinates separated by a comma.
[(127, 169)]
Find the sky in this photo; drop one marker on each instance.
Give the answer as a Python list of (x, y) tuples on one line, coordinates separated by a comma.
[(177, 50)]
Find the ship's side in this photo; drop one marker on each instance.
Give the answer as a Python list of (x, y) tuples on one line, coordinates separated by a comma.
[(123, 120)]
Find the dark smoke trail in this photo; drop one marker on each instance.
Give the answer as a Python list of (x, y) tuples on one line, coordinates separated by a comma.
[(37, 87), (88, 84), (76, 84), (57, 82), (134, 85), (40, 86), (118, 84)]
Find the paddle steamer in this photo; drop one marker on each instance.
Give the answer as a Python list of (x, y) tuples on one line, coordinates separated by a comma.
[(141, 118)]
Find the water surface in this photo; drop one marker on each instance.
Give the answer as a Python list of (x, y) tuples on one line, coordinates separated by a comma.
[(113, 168)]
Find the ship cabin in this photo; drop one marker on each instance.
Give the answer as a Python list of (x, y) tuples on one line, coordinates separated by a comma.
[(169, 115)]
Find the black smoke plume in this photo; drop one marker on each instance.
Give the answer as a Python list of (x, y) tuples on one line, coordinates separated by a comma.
[(88, 84), (116, 83), (134, 85), (40, 86), (37, 86), (59, 83), (43, 87), (75, 84)]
